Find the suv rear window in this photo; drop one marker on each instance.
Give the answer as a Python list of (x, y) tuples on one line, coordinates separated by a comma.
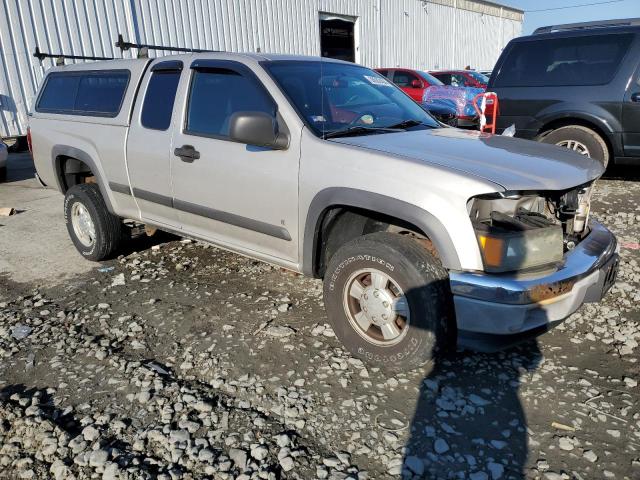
[(95, 93), (569, 61)]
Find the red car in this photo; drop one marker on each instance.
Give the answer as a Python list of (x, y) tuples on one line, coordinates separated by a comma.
[(452, 105), (412, 82), (462, 78)]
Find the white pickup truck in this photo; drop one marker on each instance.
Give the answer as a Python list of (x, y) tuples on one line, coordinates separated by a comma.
[(424, 235)]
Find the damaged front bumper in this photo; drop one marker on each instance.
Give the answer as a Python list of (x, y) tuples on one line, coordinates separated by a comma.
[(495, 311)]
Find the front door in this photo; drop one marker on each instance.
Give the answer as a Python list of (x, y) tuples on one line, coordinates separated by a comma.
[(236, 195), (631, 118)]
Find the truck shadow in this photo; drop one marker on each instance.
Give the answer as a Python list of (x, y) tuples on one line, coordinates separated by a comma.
[(469, 421)]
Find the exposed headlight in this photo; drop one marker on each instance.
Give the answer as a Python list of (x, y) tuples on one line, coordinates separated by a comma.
[(515, 232), (506, 251)]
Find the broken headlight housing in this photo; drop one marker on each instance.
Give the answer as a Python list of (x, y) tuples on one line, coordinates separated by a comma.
[(513, 243), (525, 230)]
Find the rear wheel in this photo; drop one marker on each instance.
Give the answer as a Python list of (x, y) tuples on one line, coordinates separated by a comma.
[(3, 174), (389, 301), (581, 140), (95, 231)]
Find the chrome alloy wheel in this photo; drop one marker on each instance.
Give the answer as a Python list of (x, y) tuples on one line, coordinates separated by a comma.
[(576, 146), (376, 307), (82, 224)]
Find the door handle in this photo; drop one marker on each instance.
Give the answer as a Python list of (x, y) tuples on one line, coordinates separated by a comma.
[(187, 153), (635, 97)]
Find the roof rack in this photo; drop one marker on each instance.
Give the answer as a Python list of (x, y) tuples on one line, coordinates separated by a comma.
[(60, 57), (143, 49), (624, 22)]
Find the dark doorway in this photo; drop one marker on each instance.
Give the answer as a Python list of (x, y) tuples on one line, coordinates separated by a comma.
[(337, 39)]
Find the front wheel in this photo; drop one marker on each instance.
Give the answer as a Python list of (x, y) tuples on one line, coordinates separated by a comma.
[(389, 301), (95, 232)]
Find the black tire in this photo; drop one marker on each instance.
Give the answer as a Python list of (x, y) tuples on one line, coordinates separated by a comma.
[(107, 226), (3, 174), (595, 144), (431, 329)]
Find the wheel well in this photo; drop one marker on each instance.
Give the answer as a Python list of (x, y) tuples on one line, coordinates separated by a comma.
[(72, 171), (340, 224), (567, 122)]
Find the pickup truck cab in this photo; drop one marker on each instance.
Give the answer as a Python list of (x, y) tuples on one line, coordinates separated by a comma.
[(424, 235)]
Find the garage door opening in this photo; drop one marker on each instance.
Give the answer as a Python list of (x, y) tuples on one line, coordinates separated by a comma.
[(337, 37)]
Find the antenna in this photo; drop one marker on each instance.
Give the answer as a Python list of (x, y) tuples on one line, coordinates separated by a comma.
[(144, 48), (60, 57)]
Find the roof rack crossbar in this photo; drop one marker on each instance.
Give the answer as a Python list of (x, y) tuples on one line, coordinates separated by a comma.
[(42, 55), (124, 46), (625, 22)]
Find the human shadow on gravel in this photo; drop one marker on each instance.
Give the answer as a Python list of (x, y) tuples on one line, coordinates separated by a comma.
[(63, 419), (468, 417), (67, 421)]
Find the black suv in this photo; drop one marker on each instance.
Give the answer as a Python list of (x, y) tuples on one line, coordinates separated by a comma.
[(576, 86)]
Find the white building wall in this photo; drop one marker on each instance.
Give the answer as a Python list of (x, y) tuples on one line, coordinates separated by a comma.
[(424, 34)]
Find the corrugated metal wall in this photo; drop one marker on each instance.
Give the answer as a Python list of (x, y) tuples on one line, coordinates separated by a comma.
[(426, 34)]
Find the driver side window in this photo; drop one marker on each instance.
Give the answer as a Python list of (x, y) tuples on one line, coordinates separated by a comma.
[(217, 94)]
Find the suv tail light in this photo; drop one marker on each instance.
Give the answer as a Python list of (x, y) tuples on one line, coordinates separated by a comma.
[(29, 140)]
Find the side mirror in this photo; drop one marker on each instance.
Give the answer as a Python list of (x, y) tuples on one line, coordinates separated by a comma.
[(416, 84), (257, 128)]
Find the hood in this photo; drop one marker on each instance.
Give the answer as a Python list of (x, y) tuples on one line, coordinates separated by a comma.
[(512, 163)]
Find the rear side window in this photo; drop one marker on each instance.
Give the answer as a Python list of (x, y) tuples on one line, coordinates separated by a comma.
[(159, 99), (577, 61), (95, 93), (218, 93)]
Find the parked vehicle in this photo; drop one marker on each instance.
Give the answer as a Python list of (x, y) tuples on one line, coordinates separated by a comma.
[(4, 154), (462, 78), (422, 234), (440, 100), (575, 86), (412, 82), (444, 112), (458, 98)]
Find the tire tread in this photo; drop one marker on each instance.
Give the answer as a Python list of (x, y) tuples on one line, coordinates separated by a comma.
[(427, 267), (108, 226)]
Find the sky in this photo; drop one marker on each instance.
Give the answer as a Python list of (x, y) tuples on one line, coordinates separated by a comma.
[(603, 11)]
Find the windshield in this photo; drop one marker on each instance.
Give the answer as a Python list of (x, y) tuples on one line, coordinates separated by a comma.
[(430, 79), (479, 77), (333, 97)]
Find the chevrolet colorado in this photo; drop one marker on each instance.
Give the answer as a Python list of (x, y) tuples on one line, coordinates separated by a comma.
[(424, 235)]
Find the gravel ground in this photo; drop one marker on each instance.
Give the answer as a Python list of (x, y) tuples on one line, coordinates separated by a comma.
[(184, 361)]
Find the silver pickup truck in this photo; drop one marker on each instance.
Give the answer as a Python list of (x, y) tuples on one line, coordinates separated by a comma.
[(424, 235)]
